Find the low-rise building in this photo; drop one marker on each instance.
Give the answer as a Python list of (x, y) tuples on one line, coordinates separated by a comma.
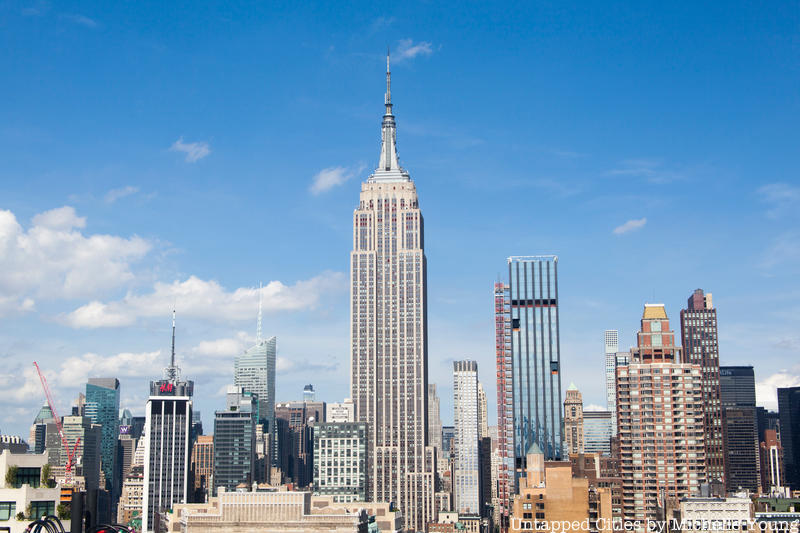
[(24, 493), (269, 511), (716, 514)]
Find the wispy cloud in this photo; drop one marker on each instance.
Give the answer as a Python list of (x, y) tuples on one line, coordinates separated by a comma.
[(652, 170), (785, 248), (328, 178), (630, 225), (194, 151), (408, 49), (115, 194), (83, 20), (380, 23), (782, 197)]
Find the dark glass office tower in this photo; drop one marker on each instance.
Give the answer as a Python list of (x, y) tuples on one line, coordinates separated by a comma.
[(789, 412), (737, 393), (102, 407), (535, 354), (235, 440), (701, 347)]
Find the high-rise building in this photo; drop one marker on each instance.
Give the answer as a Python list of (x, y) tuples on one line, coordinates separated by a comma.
[(254, 371), (660, 410), (573, 420), (297, 455), (528, 356), (88, 451), (168, 417), (611, 343), (466, 472), (308, 393), (597, 432), (340, 460), (235, 440), (789, 412), (701, 347), (765, 420), (389, 346), (38, 433), (772, 472), (506, 482), (434, 422), (102, 407), (483, 413), (737, 396)]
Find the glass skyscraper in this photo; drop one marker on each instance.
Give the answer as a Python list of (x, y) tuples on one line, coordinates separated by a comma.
[(254, 370), (102, 407), (536, 356)]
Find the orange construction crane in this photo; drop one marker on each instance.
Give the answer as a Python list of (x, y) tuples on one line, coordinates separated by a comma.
[(68, 479)]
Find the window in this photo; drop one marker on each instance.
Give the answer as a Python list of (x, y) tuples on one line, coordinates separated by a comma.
[(43, 508), (7, 510), (28, 476)]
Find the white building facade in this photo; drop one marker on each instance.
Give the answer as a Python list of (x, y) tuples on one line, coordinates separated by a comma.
[(466, 468)]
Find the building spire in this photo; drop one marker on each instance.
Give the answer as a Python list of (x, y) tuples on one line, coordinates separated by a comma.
[(171, 372), (388, 96), (389, 168), (258, 325)]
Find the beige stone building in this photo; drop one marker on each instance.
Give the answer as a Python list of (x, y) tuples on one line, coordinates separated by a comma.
[(550, 495), (573, 420)]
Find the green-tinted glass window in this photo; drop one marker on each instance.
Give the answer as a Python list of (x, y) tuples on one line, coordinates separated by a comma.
[(7, 510)]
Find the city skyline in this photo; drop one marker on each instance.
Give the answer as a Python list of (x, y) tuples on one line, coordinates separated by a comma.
[(153, 232)]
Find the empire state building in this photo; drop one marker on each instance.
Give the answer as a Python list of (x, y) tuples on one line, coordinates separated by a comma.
[(389, 337)]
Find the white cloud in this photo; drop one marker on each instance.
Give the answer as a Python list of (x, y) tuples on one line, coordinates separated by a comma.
[(224, 347), (20, 384), (767, 389), (328, 178), (77, 369), (60, 218), (594, 407), (54, 259), (206, 299), (784, 198), (407, 49), (115, 194), (194, 151), (630, 225)]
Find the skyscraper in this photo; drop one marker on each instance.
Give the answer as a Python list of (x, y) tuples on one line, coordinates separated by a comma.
[(611, 338), (389, 346), (659, 404), (254, 370), (789, 412), (737, 397), (483, 413), (700, 347), (167, 453), (466, 469), (533, 289), (597, 432), (235, 440), (102, 407), (506, 481), (308, 393), (434, 422), (573, 420)]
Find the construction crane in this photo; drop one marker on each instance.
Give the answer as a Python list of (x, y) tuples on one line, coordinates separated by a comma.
[(68, 479)]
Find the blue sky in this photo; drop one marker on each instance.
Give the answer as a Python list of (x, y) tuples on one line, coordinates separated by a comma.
[(153, 153)]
